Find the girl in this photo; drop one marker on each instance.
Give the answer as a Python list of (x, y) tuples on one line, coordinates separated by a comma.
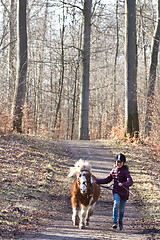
[(122, 181)]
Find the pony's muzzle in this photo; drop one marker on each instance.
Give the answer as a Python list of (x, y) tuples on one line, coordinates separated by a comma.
[(83, 191)]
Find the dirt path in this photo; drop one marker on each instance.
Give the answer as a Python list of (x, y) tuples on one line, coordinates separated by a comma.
[(102, 160)]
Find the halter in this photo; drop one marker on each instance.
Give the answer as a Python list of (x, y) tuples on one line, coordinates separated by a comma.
[(85, 170)]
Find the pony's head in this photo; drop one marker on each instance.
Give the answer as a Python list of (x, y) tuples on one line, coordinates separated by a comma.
[(84, 180)]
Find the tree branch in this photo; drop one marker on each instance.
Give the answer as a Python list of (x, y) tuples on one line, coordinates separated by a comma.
[(5, 7), (72, 5)]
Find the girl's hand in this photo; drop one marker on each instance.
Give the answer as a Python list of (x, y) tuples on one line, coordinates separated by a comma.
[(120, 184)]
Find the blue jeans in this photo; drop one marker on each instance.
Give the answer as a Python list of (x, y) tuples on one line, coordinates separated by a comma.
[(118, 207)]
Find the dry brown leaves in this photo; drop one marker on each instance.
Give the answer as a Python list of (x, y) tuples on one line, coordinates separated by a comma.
[(32, 183)]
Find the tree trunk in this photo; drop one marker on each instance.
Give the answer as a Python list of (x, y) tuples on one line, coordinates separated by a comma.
[(39, 90), (12, 46), (131, 111), (152, 73), (144, 49), (84, 94), (75, 87), (20, 86), (74, 98), (61, 81), (114, 105)]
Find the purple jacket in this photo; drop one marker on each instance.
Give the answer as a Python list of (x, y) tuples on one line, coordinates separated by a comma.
[(121, 175)]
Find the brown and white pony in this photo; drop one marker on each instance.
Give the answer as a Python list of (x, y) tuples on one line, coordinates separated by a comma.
[(84, 193)]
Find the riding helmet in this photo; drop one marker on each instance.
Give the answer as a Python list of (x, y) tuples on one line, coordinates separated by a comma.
[(120, 157)]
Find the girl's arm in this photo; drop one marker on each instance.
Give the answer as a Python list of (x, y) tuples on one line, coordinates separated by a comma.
[(104, 180), (129, 181)]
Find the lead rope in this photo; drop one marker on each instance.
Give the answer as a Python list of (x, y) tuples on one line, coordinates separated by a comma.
[(109, 187), (128, 190)]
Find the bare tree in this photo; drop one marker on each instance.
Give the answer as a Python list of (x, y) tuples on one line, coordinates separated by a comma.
[(12, 46), (39, 92), (61, 80), (114, 109), (152, 73), (84, 94), (131, 111), (75, 91), (56, 55), (20, 87)]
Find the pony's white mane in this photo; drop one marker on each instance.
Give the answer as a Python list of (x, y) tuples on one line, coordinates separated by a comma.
[(79, 166)]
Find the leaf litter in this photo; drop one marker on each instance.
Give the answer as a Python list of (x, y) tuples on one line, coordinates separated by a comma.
[(32, 182)]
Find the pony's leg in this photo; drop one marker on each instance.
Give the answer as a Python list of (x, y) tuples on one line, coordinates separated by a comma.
[(89, 213), (75, 218), (83, 212), (75, 208)]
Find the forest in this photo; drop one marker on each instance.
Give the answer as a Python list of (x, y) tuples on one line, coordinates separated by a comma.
[(77, 70), (43, 44)]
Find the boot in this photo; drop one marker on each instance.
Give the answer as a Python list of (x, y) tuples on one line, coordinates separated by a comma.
[(120, 225), (114, 225)]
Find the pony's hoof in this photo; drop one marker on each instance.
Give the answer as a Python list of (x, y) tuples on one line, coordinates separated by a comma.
[(82, 227), (87, 223), (75, 223)]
